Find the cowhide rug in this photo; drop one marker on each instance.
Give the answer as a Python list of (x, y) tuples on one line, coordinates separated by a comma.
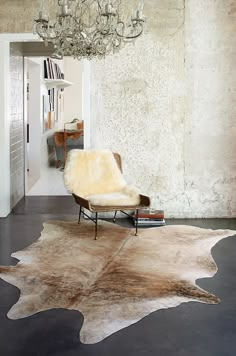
[(116, 280)]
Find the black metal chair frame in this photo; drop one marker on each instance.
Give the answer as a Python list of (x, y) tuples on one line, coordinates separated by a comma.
[(95, 220)]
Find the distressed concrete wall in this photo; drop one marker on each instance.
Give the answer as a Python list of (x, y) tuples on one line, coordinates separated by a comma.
[(138, 106), (17, 15), (167, 104), (210, 125), (16, 125)]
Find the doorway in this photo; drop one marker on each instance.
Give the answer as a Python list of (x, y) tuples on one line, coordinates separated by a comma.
[(32, 47), (33, 124), (54, 92)]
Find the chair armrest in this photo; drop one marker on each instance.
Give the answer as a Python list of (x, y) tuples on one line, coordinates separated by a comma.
[(145, 201), (82, 202)]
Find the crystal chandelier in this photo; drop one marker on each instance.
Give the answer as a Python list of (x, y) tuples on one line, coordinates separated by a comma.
[(88, 28)]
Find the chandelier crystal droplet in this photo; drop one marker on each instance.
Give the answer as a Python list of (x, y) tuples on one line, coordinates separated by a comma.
[(88, 28)]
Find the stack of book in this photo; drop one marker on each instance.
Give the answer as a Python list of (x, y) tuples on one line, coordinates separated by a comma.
[(52, 70), (150, 217)]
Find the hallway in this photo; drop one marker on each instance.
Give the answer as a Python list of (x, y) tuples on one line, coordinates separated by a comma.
[(51, 182)]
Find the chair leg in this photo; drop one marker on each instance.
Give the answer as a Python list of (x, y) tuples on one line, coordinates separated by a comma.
[(136, 223), (80, 211), (96, 226), (114, 219)]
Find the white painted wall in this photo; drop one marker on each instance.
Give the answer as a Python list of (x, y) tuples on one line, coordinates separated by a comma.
[(5, 128), (73, 107), (86, 106), (77, 97), (34, 120)]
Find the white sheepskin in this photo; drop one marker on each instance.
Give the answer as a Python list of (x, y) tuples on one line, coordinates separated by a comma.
[(95, 176)]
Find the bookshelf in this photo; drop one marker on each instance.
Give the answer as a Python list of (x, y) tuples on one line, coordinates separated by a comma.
[(54, 82), (57, 83)]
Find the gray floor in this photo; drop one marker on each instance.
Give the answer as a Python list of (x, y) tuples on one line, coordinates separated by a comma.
[(192, 329)]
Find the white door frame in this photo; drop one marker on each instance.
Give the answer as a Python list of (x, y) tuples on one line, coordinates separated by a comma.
[(5, 92), (5, 175)]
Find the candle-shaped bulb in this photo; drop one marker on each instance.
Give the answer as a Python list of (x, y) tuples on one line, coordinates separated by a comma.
[(141, 9), (141, 6), (108, 7)]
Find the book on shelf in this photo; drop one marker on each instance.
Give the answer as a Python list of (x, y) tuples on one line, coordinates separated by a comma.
[(52, 70), (150, 214), (51, 99), (46, 69)]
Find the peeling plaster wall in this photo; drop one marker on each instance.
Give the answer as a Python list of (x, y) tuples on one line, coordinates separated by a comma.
[(167, 104), (16, 16), (210, 120), (138, 106)]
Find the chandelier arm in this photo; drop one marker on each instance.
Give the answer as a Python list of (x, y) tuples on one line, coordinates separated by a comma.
[(99, 5), (45, 37), (139, 33), (106, 28)]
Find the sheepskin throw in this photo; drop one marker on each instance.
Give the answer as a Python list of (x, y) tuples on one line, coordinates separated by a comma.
[(115, 281), (95, 176)]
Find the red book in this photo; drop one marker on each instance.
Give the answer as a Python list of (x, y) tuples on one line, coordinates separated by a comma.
[(150, 214)]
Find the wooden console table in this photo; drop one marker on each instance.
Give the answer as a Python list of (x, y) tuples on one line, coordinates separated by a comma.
[(61, 137), (71, 134)]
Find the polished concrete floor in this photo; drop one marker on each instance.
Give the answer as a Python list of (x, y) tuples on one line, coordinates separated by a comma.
[(192, 329), (51, 182)]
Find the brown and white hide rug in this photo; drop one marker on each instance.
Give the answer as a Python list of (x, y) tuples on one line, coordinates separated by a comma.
[(116, 280)]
